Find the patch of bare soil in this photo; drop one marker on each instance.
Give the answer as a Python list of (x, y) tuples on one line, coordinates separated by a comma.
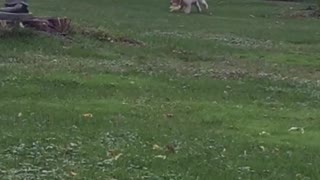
[(308, 12), (283, 2), (303, 13), (36, 28), (223, 68), (104, 36), (294, 12)]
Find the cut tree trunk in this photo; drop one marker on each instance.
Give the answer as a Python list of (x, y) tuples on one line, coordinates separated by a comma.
[(15, 16), (52, 25)]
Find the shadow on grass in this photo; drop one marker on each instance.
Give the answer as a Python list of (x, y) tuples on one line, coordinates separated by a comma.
[(15, 33)]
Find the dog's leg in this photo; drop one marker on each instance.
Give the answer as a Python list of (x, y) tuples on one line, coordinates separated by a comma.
[(187, 8), (198, 7)]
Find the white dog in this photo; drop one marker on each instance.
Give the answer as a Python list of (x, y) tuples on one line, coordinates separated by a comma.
[(186, 5)]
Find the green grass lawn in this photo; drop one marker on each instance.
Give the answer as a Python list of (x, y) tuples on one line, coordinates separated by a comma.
[(208, 96)]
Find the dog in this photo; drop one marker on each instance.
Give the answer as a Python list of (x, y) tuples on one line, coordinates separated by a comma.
[(186, 5)]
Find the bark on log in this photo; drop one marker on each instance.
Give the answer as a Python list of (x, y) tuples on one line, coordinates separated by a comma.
[(46, 24), (15, 17)]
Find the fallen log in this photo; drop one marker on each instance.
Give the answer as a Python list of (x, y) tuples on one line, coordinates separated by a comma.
[(4, 16), (50, 25), (53, 25)]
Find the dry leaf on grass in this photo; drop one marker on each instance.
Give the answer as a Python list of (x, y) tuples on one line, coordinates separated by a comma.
[(293, 129), (156, 147), (113, 152), (161, 157), (168, 115), (264, 133), (73, 144), (117, 156), (170, 149), (88, 115), (262, 148)]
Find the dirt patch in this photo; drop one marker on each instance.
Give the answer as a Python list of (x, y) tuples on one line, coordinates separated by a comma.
[(294, 9), (102, 35), (308, 12), (284, 2), (37, 29), (291, 1), (304, 13)]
